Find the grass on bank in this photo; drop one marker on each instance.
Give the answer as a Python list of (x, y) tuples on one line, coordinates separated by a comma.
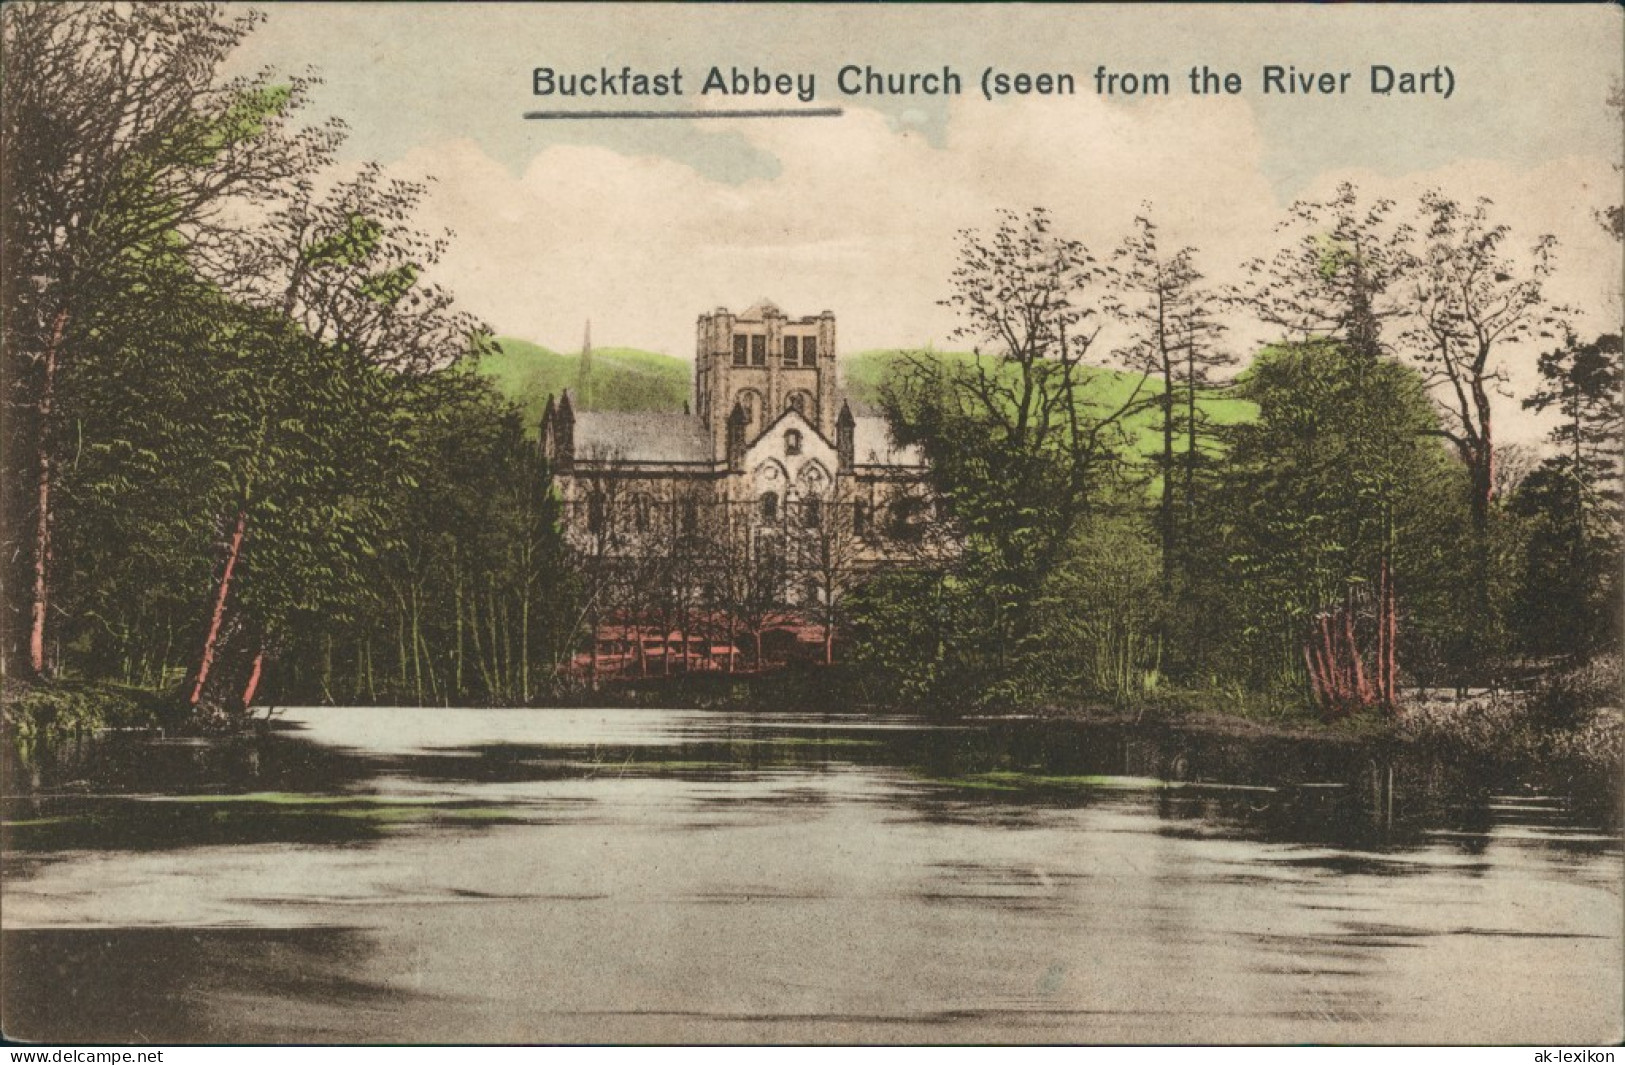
[(63, 708)]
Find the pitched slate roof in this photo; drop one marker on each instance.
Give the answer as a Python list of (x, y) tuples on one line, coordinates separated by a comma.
[(640, 436), (872, 445)]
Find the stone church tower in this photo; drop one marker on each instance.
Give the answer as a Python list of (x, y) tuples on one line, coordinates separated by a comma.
[(763, 363)]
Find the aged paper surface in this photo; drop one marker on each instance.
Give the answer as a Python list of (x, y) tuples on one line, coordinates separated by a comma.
[(816, 871)]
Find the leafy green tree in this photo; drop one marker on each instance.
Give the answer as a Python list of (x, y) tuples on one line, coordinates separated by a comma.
[(138, 490), (121, 143), (344, 275), (1017, 442), (1327, 498), (1104, 612), (1340, 277), (1568, 603)]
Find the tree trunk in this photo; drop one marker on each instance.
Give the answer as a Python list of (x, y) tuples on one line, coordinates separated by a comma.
[(211, 641), (1317, 683), (524, 648), (1166, 512), (457, 586), (42, 530), (1384, 693), (592, 634), (1362, 689), (1388, 626), (253, 679)]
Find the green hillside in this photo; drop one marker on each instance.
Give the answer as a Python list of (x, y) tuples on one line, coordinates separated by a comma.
[(621, 378), (628, 379), (863, 374)]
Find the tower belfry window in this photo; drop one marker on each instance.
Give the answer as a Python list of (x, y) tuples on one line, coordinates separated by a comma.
[(739, 351), (809, 351), (792, 350), (758, 350)]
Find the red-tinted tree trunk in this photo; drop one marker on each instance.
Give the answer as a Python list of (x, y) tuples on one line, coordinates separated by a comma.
[(1331, 665), (1336, 668), (42, 531), (211, 642), (1361, 689), (253, 679)]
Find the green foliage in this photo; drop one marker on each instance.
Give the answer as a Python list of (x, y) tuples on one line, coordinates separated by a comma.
[(30, 713), (900, 624), (1104, 612), (1569, 729), (1340, 467)]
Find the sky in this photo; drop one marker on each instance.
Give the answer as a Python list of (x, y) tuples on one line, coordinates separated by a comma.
[(641, 226)]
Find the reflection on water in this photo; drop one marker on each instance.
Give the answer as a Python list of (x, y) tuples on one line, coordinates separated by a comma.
[(637, 875)]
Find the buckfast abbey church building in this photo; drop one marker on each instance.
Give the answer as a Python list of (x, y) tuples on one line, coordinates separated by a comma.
[(768, 442)]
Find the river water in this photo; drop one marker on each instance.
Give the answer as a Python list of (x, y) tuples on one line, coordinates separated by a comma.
[(386, 875)]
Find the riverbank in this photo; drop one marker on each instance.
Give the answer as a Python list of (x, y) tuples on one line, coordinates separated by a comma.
[(1568, 732), (59, 709)]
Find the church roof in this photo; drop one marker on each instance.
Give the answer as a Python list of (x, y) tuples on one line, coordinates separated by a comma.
[(872, 445), (640, 436)]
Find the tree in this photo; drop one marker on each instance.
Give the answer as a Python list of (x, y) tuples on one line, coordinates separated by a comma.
[(120, 144), (1175, 336), (747, 573), (343, 277), (1017, 439), (1568, 603), (1327, 500), (828, 551), (1471, 301), (1339, 278)]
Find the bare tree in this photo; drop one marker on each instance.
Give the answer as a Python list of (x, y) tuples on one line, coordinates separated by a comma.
[(1338, 279), (1472, 300), (1175, 340), (829, 551)]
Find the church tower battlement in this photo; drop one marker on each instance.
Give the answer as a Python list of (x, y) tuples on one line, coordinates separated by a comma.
[(764, 363)]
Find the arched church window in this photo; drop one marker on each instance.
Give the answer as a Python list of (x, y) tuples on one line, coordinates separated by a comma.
[(751, 404), (812, 511), (769, 506)]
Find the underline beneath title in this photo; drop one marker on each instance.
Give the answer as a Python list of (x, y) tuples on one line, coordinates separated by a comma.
[(787, 112)]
